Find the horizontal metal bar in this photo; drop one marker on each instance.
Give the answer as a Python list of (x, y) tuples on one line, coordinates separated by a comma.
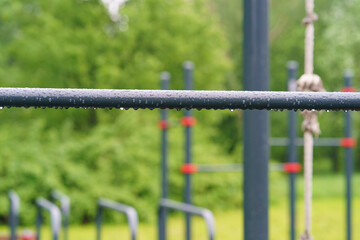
[(64, 202), (188, 208), (216, 168), (320, 142), (130, 212), (171, 99), (206, 168)]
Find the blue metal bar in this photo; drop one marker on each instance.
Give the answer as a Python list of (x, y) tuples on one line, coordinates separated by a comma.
[(348, 160), (188, 208), (256, 123), (55, 216), (13, 213), (165, 79), (218, 168), (65, 211), (176, 99), (292, 67), (188, 77), (319, 142), (129, 211)]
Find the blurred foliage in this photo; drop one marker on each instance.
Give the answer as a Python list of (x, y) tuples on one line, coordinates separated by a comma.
[(113, 154), (116, 154)]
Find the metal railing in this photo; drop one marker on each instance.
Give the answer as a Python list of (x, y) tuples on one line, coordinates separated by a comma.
[(130, 212), (206, 214), (55, 218), (65, 211), (177, 99)]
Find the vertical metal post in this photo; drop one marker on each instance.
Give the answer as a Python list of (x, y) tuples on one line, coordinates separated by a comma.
[(256, 123), (292, 67), (39, 220), (188, 77), (165, 79), (13, 213), (348, 160), (98, 220)]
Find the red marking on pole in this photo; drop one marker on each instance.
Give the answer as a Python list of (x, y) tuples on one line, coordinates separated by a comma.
[(188, 121), (348, 142), (292, 167), (163, 125), (189, 168), (349, 89)]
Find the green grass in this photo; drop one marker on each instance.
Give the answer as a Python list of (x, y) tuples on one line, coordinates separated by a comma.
[(328, 223), (328, 216)]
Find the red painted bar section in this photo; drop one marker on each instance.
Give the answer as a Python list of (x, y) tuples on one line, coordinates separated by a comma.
[(189, 168), (188, 121), (349, 89), (163, 125), (292, 167), (348, 142)]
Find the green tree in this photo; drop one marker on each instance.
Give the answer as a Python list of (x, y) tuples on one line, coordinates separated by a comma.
[(114, 154)]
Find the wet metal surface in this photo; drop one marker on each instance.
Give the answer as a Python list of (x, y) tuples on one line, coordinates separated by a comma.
[(172, 99)]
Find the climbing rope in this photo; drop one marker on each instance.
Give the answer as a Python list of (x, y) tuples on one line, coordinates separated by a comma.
[(309, 82)]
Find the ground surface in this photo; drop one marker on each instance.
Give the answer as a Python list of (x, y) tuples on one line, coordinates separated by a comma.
[(328, 216)]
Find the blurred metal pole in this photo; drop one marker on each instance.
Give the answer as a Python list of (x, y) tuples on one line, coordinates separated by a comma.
[(55, 218), (130, 213), (13, 213), (65, 210), (206, 214), (165, 79), (349, 159), (292, 67), (256, 123), (188, 77)]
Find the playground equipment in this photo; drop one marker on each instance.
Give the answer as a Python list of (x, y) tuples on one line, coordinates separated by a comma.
[(129, 211), (291, 167), (188, 121), (293, 142), (33, 97), (13, 222), (256, 76), (65, 210), (55, 218), (189, 168), (190, 209)]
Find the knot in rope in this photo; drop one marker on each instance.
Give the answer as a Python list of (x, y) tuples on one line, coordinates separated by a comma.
[(311, 123), (310, 18), (310, 83), (306, 236)]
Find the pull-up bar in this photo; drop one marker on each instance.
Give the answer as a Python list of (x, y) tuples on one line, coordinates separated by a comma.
[(172, 99), (55, 216), (65, 210), (206, 214), (130, 212)]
